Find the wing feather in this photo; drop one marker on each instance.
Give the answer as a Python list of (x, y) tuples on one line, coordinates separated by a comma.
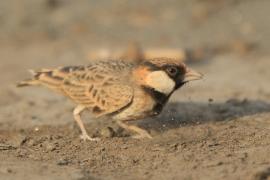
[(103, 93), (100, 86)]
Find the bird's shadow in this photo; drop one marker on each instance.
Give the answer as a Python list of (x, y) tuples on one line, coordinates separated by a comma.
[(179, 114)]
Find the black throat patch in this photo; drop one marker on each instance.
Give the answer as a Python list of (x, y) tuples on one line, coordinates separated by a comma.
[(160, 99)]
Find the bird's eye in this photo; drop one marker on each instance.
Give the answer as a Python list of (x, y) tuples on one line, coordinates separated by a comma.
[(172, 71)]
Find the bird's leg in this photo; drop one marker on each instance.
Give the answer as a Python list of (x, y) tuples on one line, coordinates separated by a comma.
[(77, 116), (141, 133)]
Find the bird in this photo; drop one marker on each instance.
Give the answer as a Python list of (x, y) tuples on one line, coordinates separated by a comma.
[(121, 90)]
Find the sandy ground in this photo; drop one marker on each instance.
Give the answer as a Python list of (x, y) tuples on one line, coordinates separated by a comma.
[(217, 128)]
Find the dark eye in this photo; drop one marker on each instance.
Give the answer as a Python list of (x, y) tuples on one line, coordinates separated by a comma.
[(172, 71)]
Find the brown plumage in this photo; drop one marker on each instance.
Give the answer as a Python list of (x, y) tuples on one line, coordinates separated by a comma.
[(121, 90)]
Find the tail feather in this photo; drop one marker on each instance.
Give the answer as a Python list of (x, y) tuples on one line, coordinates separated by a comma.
[(28, 82), (44, 77)]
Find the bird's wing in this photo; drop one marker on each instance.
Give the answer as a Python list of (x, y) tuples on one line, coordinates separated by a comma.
[(99, 88), (102, 86)]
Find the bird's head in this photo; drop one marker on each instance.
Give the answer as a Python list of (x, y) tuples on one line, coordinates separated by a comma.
[(164, 75)]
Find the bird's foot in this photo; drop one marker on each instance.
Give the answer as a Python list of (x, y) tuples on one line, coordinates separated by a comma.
[(85, 137), (142, 136)]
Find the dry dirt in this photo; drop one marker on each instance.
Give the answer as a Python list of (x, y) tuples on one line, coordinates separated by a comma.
[(218, 128)]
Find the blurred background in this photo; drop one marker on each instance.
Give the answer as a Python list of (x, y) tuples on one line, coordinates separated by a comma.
[(226, 40), (46, 33), (172, 23)]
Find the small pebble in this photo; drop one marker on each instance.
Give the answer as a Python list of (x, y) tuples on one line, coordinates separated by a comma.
[(6, 170), (6, 147), (107, 132), (19, 140), (63, 162), (36, 129), (31, 142), (50, 147)]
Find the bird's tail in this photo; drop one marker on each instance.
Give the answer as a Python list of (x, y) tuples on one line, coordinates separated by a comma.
[(47, 77), (30, 82), (27, 82)]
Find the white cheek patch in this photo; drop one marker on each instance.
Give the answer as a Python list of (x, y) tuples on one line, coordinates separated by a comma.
[(160, 81)]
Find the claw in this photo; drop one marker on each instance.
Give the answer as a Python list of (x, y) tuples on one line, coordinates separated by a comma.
[(143, 135), (85, 137)]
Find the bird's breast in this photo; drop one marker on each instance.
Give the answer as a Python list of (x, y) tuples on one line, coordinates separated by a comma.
[(142, 106)]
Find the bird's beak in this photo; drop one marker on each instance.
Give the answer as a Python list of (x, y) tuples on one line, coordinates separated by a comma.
[(192, 75)]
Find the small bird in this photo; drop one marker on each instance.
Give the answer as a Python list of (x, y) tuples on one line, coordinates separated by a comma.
[(121, 90)]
